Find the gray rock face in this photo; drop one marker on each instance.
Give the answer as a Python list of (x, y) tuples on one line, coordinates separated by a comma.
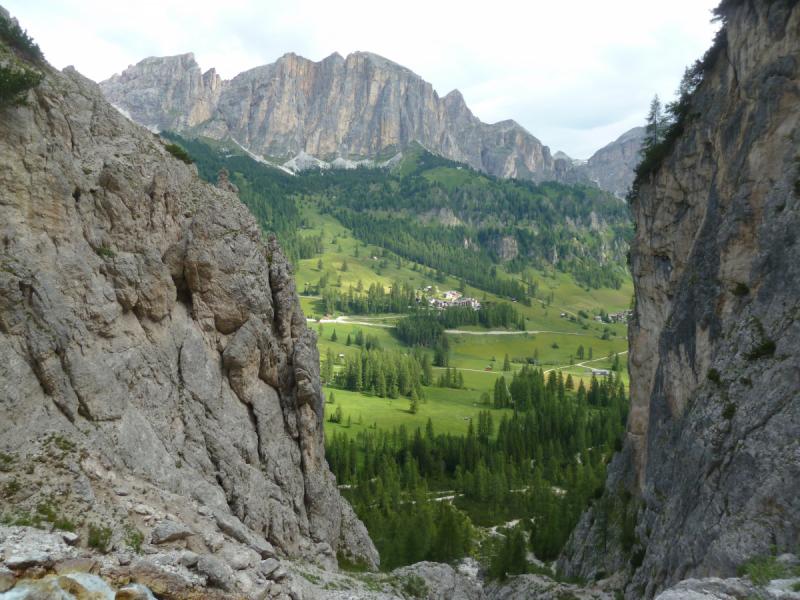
[(217, 572), (712, 448), (147, 324), (7, 580), (169, 531), (611, 167), (714, 588), (362, 106), (506, 247)]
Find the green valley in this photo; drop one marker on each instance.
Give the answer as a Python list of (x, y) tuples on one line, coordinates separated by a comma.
[(511, 411)]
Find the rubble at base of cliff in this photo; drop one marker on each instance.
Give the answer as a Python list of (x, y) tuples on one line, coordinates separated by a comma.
[(231, 570)]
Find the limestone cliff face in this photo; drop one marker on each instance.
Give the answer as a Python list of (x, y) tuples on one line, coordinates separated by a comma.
[(713, 443), (361, 106), (148, 327), (171, 92), (612, 166)]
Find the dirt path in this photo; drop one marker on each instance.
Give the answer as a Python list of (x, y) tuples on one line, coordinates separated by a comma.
[(346, 321), (512, 332), (580, 364)]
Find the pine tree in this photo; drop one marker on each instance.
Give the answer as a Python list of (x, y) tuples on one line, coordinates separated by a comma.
[(333, 336), (506, 363), (349, 341), (319, 265), (656, 125), (328, 369), (414, 406)]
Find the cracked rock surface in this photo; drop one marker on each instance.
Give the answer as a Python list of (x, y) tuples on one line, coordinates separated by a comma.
[(156, 374), (711, 469)]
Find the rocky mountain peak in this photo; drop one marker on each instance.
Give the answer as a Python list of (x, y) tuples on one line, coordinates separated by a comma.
[(360, 107)]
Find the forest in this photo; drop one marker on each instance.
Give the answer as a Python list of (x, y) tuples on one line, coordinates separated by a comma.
[(542, 465), (552, 225)]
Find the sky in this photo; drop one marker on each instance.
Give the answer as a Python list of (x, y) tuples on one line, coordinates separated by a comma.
[(577, 74)]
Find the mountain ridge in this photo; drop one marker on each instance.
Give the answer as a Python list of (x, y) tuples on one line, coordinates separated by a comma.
[(360, 107)]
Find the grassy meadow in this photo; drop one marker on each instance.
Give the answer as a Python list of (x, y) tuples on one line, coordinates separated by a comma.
[(554, 338)]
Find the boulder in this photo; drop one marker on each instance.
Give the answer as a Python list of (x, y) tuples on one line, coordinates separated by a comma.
[(169, 531), (216, 571)]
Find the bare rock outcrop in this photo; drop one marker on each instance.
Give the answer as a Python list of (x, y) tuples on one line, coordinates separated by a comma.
[(611, 167), (709, 475), (153, 342), (362, 106)]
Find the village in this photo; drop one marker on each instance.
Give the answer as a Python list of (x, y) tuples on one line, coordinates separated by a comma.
[(447, 299)]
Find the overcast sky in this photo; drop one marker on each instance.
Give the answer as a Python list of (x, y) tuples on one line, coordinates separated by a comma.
[(576, 74)]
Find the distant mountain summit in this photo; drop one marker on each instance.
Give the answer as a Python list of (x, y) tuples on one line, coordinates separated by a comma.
[(362, 106), (611, 167), (355, 108)]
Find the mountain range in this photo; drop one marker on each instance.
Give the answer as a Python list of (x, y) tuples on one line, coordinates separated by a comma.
[(363, 109)]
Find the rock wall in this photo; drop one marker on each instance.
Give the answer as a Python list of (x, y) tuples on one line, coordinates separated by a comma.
[(612, 166), (154, 360), (711, 469), (360, 106)]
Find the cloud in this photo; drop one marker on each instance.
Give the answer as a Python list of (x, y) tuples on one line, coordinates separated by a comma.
[(576, 75)]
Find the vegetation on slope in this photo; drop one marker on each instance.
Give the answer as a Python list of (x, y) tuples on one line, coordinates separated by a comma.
[(533, 442)]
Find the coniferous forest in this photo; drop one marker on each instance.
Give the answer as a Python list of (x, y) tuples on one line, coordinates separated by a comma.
[(537, 453), (399, 212), (542, 466)]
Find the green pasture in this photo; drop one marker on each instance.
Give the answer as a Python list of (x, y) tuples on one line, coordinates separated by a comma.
[(384, 334), (454, 177), (450, 410), (471, 354), (476, 351)]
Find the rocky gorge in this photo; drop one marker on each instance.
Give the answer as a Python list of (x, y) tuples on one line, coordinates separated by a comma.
[(158, 383), (160, 401)]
